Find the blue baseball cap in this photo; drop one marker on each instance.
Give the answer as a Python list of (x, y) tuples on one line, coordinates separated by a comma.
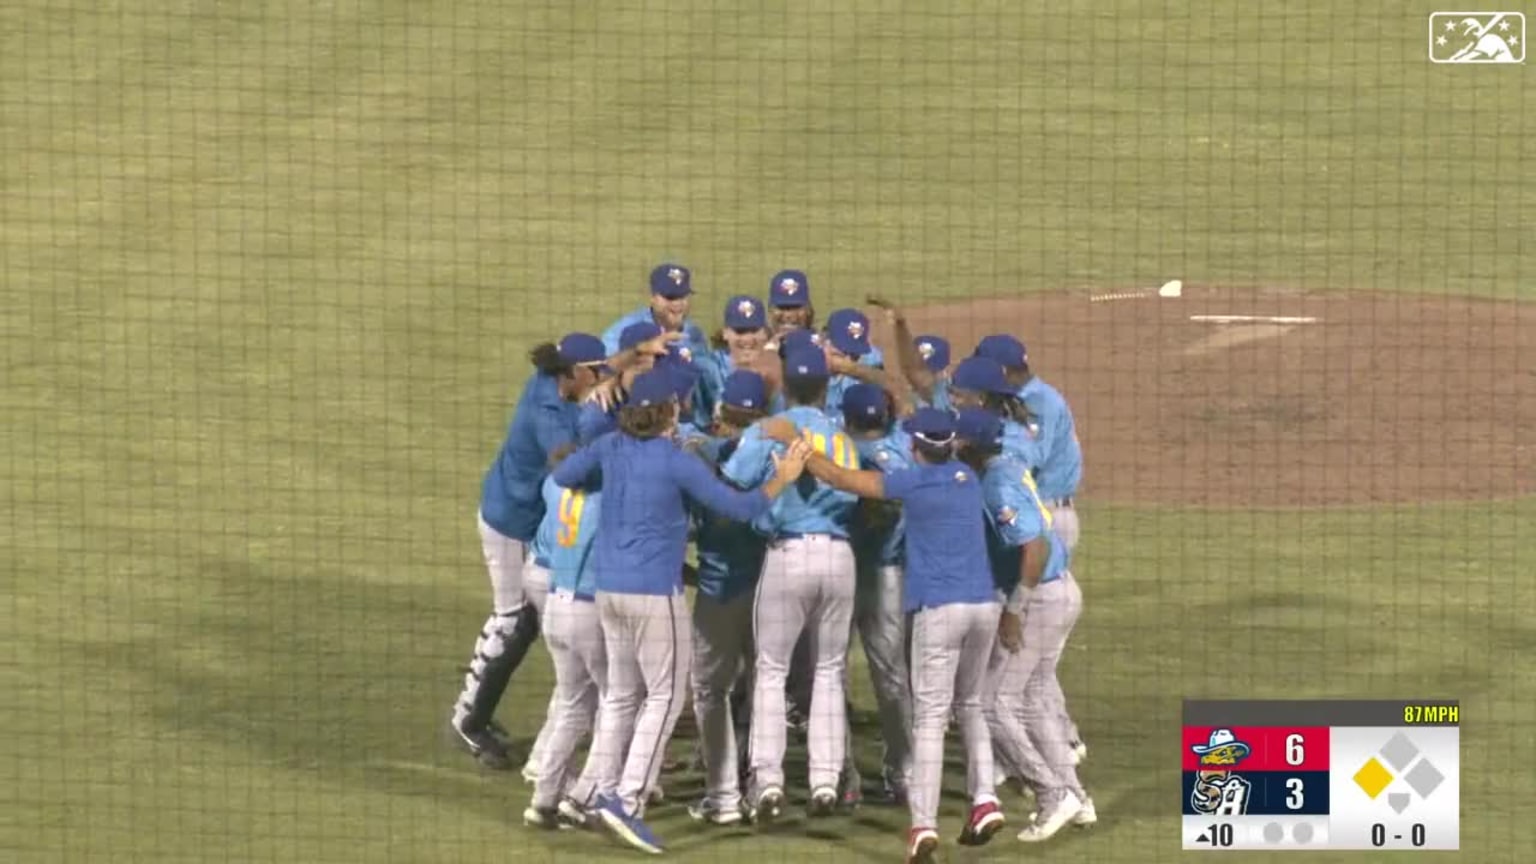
[(979, 426), (864, 403), (933, 425), (672, 281), (745, 313), (652, 388), (1004, 349), (581, 349), (634, 334), (935, 352), (789, 289), (980, 374), (848, 331), (684, 376), (799, 339), (745, 389), (805, 364)]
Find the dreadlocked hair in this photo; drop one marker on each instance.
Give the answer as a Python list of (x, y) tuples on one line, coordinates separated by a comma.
[(1009, 406), (977, 455)]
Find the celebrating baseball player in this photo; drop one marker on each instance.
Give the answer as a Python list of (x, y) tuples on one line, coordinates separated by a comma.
[(1029, 562), (879, 550), (954, 612), (807, 583), (671, 300), (647, 484), (730, 558), (739, 344), (574, 636), (789, 299), (511, 508)]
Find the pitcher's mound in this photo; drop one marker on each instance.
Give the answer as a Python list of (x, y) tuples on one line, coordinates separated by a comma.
[(1380, 398)]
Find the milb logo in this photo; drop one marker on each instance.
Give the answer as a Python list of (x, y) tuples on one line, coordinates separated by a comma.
[(1477, 37)]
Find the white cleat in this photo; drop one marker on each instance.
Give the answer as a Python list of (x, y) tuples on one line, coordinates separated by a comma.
[(1045, 825), (1087, 815), (548, 820)]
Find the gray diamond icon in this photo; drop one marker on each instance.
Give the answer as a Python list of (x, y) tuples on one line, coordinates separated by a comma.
[(1398, 801), (1424, 778), (1399, 751)]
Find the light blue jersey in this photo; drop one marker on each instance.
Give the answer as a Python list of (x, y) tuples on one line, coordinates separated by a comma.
[(1061, 468), (837, 385), (1021, 444), (940, 399), (883, 542), (693, 337), (714, 367), (1015, 516), (730, 553), (807, 507), (563, 545)]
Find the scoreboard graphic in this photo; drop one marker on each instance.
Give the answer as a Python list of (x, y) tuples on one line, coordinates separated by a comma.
[(1321, 775)]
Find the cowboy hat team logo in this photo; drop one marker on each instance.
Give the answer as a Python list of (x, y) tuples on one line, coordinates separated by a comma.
[(1218, 791)]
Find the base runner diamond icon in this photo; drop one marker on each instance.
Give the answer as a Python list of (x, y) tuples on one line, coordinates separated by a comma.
[(1424, 778), (1398, 801), (1477, 37), (1372, 777)]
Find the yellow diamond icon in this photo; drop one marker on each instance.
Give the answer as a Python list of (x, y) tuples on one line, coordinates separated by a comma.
[(1372, 777)]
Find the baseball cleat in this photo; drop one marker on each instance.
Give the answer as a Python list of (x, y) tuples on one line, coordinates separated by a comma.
[(625, 827), (482, 745), (985, 821), (823, 801), (921, 844), (1079, 752), (545, 819), (711, 813), (575, 815), (1088, 815), (500, 732), (769, 805), (1052, 819)]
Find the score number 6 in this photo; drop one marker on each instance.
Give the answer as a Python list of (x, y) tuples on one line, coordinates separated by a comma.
[(1295, 754)]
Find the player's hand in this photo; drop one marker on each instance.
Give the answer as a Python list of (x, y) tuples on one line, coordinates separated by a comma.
[(605, 394), (789, 466), (1010, 632), (892, 314), (839, 363), (779, 429), (660, 346)]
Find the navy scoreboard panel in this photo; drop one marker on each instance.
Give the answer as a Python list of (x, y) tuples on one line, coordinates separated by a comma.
[(1322, 775)]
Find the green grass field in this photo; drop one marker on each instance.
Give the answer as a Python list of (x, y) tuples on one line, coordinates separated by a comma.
[(269, 270)]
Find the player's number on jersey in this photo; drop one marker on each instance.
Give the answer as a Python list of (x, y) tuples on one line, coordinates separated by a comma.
[(1295, 749), (1295, 797), (572, 502), (837, 448)]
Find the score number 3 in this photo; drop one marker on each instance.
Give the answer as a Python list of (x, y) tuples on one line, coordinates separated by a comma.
[(1295, 754)]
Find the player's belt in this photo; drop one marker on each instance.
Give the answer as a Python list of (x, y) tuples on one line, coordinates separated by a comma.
[(1059, 502), (542, 562), (795, 535), (576, 596)]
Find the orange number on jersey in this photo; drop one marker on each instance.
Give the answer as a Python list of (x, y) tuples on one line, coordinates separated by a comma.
[(572, 502)]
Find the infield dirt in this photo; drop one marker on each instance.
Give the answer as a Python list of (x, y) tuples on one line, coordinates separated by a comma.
[(1383, 399)]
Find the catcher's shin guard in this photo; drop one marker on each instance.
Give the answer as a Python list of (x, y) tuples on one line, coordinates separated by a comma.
[(503, 643)]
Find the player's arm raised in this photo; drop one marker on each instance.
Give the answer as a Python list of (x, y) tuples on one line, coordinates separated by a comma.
[(908, 361), (885, 379)]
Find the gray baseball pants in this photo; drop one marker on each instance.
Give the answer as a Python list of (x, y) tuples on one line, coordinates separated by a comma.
[(807, 583), (1025, 707), (722, 647), (574, 634), (649, 643), (950, 646), (536, 588), (882, 629)]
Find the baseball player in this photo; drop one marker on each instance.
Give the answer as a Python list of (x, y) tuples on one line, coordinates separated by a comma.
[(574, 637), (1029, 563), (647, 485), (789, 299), (1060, 465), (879, 550), (739, 344), (954, 613), (807, 583), (511, 508), (980, 382), (671, 300), (730, 557)]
